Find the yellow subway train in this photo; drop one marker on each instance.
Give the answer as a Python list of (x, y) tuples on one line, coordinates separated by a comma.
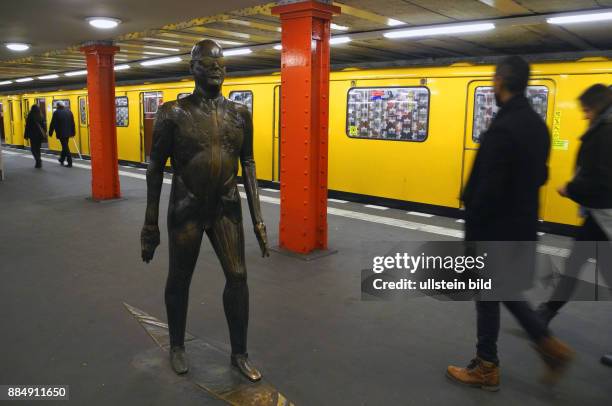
[(398, 135)]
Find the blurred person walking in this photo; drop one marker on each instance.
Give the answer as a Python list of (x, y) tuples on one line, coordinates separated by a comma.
[(62, 123), (501, 204), (35, 132), (591, 188)]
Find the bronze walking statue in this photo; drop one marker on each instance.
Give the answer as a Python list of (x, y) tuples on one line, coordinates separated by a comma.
[(205, 135)]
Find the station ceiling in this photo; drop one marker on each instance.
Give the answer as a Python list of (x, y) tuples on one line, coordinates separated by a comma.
[(157, 29)]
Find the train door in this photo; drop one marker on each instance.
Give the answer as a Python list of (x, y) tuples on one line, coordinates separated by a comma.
[(481, 109), (149, 103), (25, 110), (84, 125), (276, 135), (2, 139), (11, 122)]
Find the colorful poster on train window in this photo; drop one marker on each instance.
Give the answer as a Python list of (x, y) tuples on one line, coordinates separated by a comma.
[(391, 113), (485, 107)]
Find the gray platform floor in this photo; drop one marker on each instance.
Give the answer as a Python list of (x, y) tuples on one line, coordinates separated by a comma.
[(67, 264)]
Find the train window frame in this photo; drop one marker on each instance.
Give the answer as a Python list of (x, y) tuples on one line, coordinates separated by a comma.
[(352, 88), (127, 109), (83, 111), (65, 102), (478, 140), (229, 96)]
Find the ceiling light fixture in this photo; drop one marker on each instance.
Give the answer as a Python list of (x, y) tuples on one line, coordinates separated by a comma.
[(162, 48), (339, 40), (339, 27), (17, 46), (122, 67), (76, 73), (440, 30), (392, 22), (24, 80), (6, 82), (103, 23), (167, 41), (46, 77), (278, 47), (162, 61), (237, 51), (580, 18)]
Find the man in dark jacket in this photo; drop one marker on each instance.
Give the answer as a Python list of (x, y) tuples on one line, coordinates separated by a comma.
[(62, 123), (501, 204)]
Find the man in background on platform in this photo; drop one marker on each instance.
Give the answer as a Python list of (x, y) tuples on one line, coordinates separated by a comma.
[(62, 123)]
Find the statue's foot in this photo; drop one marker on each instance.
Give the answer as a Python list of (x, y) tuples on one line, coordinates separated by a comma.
[(241, 361), (178, 360)]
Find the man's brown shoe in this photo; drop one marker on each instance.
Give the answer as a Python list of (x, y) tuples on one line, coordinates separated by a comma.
[(556, 355), (479, 373)]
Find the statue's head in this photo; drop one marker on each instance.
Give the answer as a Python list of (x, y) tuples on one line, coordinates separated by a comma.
[(207, 65)]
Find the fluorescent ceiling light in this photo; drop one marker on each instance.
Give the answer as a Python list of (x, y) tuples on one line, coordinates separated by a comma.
[(580, 18), (48, 77), (153, 53), (339, 27), (392, 22), (339, 40), (122, 67), (167, 41), (24, 80), (17, 46), (6, 82), (103, 23), (161, 61), (237, 51), (162, 48), (76, 73), (440, 30), (278, 47)]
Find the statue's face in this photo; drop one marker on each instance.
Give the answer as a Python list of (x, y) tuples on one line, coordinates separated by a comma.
[(209, 70)]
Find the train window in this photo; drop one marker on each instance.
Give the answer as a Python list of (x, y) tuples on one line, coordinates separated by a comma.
[(152, 101), (83, 111), (122, 112), (389, 113), (182, 95), (65, 103), (485, 107), (244, 97)]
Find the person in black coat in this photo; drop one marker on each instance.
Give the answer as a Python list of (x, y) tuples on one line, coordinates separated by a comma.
[(35, 132), (501, 201), (591, 188), (62, 123)]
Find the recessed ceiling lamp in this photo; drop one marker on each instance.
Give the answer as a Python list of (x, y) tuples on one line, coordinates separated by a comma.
[(580, 18), (103, 23), (440, 30), (17, 46), (392, 22)]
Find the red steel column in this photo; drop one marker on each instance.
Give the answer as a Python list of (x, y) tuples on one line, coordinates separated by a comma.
[(304, 121), (102, 130)]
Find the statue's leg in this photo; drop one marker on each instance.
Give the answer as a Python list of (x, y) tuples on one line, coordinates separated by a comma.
[(227, 238), (184, 243)]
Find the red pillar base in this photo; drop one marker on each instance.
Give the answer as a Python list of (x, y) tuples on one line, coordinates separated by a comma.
[(304, 121), (102, 131)]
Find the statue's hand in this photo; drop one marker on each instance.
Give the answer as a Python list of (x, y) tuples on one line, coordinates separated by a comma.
[(262, 239), (149, 240)]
